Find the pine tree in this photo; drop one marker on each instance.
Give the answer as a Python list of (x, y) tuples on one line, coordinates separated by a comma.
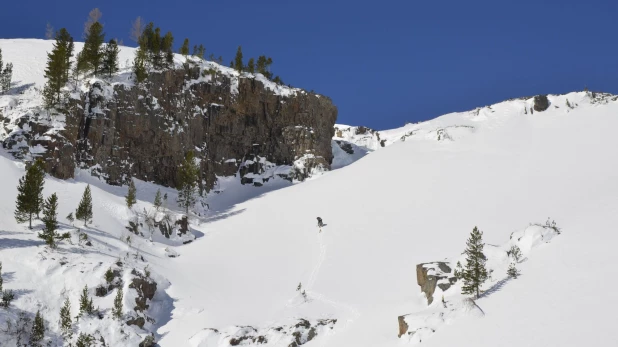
[(167, 46), (184, 49), (157, 200), (84, 340), (187, 182), (38, 331), (6, 75), (277, 80), (130, 198), (70, 218), (1, 281), (117, 309), (139, 65), (458, 272), (85, 303), (58, 67), (515, 253), (84, 210), (475, 273), (65, 320), (110, 58), (251, 65), (155, 46), (512, 271), (92, 54), (201, 51), (29, 194), (238, 64), (50, 215)]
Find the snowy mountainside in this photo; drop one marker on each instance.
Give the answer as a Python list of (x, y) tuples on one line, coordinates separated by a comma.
[(258, 271)]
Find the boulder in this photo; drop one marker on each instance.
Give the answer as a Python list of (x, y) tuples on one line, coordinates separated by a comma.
[(139, 321), (403, 326), (429, 274)]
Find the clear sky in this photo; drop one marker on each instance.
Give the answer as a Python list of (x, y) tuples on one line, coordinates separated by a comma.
[(385, 62)]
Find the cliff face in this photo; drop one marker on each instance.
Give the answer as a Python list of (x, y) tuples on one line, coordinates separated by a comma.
[(234, 125)]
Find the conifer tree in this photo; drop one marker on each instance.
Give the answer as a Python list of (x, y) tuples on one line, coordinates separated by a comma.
[(110, 58), (117, 309), (6, 75), (58, 67), (157, 200), (201, 51), (38, 331), (167, 46), (84, 340), (251, 65), (475, 273), (139, 65), (85, 303), (130, 198), (187, 182), (238, 64), (84, 209), (29, 190), (93, 16), (512, 271), (70, 218), (155, 46), (92, 54), (50, 215), (1, 282), (65, 320), (184, 49), (515, 253)]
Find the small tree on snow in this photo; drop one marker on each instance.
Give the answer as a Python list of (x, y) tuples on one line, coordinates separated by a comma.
[(70, 218), (515, 253), (65, 320), (475, 273), (158, 200), (85, 303), (512, 271), (38, 331), (1, 276), (188, 174), (30, 191), (117, 309), (50, 220), (84, 209), (131, 195)]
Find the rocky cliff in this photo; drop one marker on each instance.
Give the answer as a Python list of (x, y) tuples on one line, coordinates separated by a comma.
[(235, 125)]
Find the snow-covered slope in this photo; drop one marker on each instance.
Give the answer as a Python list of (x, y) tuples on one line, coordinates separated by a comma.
[(415, 200)]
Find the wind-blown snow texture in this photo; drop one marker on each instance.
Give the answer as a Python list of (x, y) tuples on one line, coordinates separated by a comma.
[(413, 201)]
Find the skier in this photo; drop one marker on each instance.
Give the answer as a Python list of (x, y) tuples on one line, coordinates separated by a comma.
[(320, 224)]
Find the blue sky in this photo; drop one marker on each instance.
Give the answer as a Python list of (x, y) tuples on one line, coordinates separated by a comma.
[(386, 62)]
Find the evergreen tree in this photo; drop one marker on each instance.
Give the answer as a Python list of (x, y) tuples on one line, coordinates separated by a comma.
[(65, 320), (117, 309), (512, 271), (238, 65), (155, 46), (6, 75), (38, 331), (70, 218), (29, 190), (187, 182), (110, 58), (58, 67), (458, 272), (251, 65), (1, 281), (139, 65), (92, 54), (157, 200), (184, 49), (50, 215), (475, 273), (167, 46), (84, 209), (84, 340), (515, 253), (201, 51), (130, 198), (277, 80), (85, 303)]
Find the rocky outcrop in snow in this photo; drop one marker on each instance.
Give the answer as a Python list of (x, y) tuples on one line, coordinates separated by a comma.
[(120, 131)]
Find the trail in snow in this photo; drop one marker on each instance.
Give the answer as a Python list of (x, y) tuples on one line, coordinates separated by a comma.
[(354, 314)]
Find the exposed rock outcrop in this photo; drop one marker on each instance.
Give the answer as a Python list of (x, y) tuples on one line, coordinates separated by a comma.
[(541, 103), (430, 275), (145, 131)]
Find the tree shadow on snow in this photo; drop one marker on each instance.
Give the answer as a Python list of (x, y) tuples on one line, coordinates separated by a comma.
[(223, 215), (496, 287), (7, 277), (9, 243)]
